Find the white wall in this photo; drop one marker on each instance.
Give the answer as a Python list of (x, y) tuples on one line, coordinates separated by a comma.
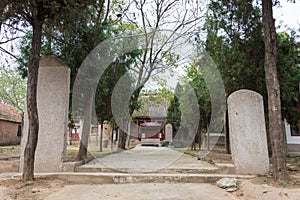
[(290, 139)]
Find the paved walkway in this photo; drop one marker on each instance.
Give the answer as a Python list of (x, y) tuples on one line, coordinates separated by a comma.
[(148, 159), (150, 173)]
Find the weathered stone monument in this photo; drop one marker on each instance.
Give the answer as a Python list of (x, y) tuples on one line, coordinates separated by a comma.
[(53, 102), (247, 132), (106, 134), (169, 133)]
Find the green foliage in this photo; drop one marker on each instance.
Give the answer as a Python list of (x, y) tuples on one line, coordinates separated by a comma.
[(194, 77), (159, 95), (12, 88), (24, 47), (174, 112), (165, 144), (267, 180), (283, 183), (73, 42), (107, 84), (289, 75), (189, 110), (104, 90), (296, 182), (235, 42)]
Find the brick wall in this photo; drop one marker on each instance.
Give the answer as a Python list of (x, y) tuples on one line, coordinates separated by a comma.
[(8, 133)]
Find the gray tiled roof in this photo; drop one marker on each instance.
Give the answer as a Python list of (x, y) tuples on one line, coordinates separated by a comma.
[(9, 113)]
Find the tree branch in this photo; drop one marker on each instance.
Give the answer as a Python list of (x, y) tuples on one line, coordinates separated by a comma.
[(9, 40), (7, 52)]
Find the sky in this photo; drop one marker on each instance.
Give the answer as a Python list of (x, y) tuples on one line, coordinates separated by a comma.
[(288, 13)]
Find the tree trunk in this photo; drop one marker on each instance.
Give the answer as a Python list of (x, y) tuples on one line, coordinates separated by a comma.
[(122, 139), (193, 145), (101, 137), (226, 129), (128, 135), (208, 137), (32, 111), (199, 134), (85, 131), (84, 140), (273, 89)]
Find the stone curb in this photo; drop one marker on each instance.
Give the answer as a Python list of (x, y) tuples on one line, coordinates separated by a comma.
[(106, 178)]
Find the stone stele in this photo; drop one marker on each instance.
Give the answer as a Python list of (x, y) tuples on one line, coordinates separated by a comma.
[(53, 102), (169, 133), (247, 132)]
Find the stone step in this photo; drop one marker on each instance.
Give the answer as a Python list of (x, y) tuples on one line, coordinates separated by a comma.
[(167, 170), (173, 178), (106, 178), (224, 168), (150, 142)]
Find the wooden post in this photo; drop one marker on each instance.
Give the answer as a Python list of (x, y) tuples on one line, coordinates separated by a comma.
[(101, 137), (208, 139)]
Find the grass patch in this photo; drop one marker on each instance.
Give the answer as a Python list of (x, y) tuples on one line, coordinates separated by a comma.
[(11, 147)]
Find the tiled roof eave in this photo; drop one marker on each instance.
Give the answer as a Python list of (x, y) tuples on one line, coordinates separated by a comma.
[(10, 120)]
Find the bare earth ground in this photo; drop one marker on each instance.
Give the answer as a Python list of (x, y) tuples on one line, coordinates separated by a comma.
[(50, 187), (9, 159)]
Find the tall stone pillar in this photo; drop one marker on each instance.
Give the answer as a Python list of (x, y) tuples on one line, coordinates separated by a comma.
[(53, 102)]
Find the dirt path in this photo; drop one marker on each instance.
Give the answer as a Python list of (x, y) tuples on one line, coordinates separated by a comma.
[(251, 191), (145, 191), (56, 189), (9, 159)]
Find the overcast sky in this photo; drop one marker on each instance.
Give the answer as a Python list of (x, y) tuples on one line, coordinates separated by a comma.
[(288, 13)]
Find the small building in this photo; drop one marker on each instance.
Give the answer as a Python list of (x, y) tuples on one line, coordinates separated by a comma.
[(293, 135), (150, 128), (10, 125), (150, 120)]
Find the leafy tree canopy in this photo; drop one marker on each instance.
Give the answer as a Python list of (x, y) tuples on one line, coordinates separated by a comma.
[(12, 88)]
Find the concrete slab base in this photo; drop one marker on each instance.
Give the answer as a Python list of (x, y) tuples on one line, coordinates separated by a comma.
[(150, 160)]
